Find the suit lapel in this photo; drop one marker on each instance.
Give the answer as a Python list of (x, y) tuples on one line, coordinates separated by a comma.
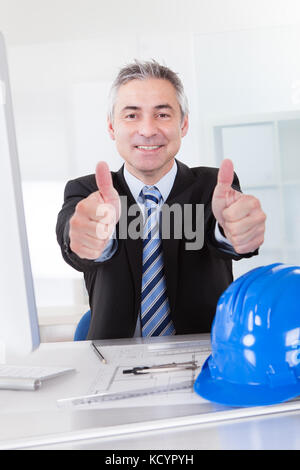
[(134, 248), (180, 194)]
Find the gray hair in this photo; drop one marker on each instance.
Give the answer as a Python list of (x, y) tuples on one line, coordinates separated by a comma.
[(142, 70)]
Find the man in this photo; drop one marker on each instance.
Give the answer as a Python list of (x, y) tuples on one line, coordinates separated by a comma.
[(153, 284)]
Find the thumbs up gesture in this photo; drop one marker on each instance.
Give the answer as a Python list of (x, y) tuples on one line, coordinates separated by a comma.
[(95, 217), (240, 215)]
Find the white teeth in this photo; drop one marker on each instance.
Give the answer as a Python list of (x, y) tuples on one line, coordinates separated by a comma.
[(148, 147)]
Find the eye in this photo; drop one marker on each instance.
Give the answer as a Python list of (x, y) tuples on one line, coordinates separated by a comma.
[(163, 115), (130, 116)]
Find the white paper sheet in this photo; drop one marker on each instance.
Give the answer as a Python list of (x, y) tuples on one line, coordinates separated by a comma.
[(110, 377)]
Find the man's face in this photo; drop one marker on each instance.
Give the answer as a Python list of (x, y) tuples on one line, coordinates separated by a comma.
[(147, 127)]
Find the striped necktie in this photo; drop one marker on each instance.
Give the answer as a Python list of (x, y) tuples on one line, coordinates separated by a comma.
[(155, 309)]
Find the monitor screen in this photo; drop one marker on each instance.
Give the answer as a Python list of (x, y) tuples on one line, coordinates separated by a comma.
[(19, 330)]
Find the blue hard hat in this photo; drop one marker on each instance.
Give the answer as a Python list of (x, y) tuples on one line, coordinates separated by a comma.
[(255, 340)]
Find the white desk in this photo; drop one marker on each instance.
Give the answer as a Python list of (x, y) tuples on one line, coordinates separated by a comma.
[(33, 419)]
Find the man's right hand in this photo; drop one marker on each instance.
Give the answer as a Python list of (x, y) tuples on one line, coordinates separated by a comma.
[(95, 217)]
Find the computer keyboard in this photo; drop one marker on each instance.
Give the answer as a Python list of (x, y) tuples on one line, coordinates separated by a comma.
[(13, 377)]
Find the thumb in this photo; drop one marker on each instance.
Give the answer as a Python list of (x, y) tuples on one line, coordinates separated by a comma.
[(225, 175), (223, 190), (224, 195), (104, 182), (225, 179)]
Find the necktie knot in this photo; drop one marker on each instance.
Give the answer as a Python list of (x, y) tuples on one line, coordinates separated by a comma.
[(151, 196)]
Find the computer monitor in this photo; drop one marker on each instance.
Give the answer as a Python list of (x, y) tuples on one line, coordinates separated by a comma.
[(19, 330)]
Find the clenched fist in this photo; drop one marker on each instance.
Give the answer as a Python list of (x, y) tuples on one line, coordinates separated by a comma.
[(240, 215), (95, 217)]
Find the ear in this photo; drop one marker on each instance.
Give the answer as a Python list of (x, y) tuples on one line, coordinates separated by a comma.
[(110, 128), (185, 125)]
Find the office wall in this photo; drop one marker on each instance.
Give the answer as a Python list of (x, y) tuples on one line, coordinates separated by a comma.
[(36, 21), (235, 58)]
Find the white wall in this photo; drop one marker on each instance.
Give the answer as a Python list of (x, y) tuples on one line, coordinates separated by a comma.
[(37, 21)]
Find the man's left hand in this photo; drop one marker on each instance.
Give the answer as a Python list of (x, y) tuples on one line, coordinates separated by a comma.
[(240, 215)]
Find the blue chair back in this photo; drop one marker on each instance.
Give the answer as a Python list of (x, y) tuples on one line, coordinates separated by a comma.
[(83, 327)]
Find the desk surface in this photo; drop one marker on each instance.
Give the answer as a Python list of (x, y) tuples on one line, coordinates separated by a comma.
[(33, 419)]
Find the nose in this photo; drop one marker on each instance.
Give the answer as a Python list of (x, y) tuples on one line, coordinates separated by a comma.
[(147, 127)]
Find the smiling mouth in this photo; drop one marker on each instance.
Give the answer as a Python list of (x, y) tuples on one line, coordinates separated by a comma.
[(148, 147)]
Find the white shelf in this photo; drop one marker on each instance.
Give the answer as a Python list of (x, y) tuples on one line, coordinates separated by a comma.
[(265, 150)]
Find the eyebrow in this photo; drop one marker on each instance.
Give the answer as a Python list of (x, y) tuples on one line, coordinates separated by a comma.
[(158, 107)]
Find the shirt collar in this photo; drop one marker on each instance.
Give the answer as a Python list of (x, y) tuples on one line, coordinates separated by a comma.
[(164, 185)]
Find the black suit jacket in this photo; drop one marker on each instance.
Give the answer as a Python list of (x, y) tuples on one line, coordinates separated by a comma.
[(195, 278)]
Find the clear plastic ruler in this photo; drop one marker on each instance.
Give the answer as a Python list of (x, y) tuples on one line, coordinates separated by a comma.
[(178, 347), (89, 400)]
